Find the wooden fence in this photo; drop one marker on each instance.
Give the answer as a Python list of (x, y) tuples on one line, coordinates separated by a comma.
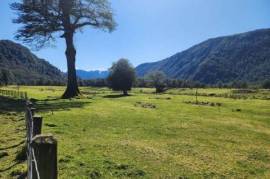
[(14, 94), (41, 149)]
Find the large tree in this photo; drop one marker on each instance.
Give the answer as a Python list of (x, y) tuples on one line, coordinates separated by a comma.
[(44, 20), (121, 76)]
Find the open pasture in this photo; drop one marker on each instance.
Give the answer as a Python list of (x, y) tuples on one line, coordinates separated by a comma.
[(145, 135)]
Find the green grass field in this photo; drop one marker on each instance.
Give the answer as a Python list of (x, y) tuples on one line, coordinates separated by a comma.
[(144, 135)]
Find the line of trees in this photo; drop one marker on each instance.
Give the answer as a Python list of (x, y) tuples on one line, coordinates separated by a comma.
[(41, 22), (122, 78), (8, 78)]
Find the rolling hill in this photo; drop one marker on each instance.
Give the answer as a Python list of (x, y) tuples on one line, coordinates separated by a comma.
[(241, 57), (23, 67)]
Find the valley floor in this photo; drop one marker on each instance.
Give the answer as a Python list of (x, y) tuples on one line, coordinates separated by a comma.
[(144, 135)]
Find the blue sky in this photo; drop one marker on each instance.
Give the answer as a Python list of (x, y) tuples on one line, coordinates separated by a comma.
[(151, 30)]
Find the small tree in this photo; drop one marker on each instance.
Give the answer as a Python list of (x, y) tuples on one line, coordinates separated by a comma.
[(121, 76), (44, 20), (266, 84), (157, 79)]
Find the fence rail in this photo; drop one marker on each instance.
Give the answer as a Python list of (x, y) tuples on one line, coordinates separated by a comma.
[(14, 94), (41, 149)]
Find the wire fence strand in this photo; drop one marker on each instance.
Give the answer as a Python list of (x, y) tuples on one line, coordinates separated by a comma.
[(35, 161)]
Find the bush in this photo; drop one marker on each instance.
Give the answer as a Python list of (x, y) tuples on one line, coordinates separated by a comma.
[(266, 84), (121, 76), (158, 80)]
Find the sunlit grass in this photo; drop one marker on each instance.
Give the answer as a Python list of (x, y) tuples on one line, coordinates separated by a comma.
[(157, 136)]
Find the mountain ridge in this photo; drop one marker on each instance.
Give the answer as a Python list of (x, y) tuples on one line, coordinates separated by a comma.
[(24, 67), (213, 60)]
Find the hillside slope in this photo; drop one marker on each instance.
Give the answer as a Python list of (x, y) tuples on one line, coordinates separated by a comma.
[(241, 57), (23, 67)]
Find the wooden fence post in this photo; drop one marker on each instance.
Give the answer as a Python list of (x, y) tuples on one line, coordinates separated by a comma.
[(37, 125), (32, 111), (45, 157)]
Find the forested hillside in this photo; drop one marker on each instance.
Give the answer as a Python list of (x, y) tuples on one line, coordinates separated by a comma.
[(243, 57), (19, 66)]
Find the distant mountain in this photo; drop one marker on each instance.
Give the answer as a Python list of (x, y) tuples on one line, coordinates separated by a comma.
[(241, 57), (23, 67), (87, 75)]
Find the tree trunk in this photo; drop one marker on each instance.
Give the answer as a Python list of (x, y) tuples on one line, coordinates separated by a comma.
[(72, 89), (125, 93)]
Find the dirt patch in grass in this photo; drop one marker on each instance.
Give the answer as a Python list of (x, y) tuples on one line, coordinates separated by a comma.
[(145, 105), (123, 170), (162, 98), (203, 103)]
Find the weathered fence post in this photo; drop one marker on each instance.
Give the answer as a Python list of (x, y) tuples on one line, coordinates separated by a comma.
[(32, 111), (37, 125), (45, 157)]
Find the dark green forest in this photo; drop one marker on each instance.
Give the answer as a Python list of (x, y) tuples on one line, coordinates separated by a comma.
[(238, 58), (19, 66)]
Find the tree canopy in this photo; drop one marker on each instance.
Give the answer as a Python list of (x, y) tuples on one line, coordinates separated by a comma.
[(266, 84), (43, 20), (121, 76), (157, 79)]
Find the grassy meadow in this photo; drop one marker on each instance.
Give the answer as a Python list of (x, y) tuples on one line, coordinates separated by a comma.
[(145, 135)]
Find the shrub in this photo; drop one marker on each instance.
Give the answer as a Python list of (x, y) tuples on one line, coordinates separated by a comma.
[(121, 76)]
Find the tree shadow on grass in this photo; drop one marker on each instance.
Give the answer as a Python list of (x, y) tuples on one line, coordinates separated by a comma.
[(13, 146), (9, 108), (8, 105), (59, 105), (116, 96), (9, 167)]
